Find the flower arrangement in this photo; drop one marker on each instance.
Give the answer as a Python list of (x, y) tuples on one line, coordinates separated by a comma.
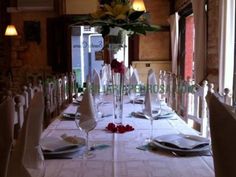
[(117, 67), (119, 13)]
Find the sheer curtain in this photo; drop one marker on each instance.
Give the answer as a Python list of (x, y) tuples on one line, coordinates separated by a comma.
[(174, 27), (200, 39), (226, 44)]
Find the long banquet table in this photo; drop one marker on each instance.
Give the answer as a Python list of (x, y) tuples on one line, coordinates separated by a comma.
[(122, 158)]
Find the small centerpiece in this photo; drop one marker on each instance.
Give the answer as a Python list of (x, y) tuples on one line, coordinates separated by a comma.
[(118, 89)]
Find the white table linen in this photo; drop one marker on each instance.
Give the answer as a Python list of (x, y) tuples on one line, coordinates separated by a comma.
[(122, 158)]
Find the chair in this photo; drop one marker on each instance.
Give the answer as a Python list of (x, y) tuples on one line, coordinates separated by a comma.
[(6, 133), (223, 130), (27, 156), (197, 107)]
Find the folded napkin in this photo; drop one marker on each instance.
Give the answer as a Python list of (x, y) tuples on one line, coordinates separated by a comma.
[(150, 96), (134, 79), (152, 81), (96, 82), (148, 104), (87, 118)]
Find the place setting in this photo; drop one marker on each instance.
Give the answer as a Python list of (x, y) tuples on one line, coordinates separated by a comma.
[(181, 144), (63, 147)]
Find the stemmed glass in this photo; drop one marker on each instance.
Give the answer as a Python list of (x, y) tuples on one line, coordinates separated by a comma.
[(150, 116), (132, 95), (98, 101), (86, 126)]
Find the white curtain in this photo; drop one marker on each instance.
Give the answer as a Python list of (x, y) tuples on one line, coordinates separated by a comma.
[(200, 39), (226, 43), (174, 27)]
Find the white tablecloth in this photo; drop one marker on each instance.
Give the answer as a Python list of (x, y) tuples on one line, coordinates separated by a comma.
[(122, 158)]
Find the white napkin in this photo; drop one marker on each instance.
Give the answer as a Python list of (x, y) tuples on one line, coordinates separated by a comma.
[(109, 72), (147, 104), (150, 95), (152, 78), (152, 82), (96, 82), (127, 75), (134, 79), (131, 70), (87, 118)]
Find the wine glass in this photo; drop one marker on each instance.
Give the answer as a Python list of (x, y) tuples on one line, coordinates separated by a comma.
[(40, 169), (132, 95), (86, 124), (98, 101)]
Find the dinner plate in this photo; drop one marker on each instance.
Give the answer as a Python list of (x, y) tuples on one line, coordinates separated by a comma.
[(162, 116), (58, 146), (182, 143), (68, 116), (63, 152), (156, 144)]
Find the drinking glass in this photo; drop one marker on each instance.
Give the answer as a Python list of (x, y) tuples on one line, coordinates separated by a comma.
[(98, 101), (40, 170), (86, 126), (132, 96)]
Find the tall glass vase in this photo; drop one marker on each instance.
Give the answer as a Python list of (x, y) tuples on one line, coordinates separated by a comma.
[(118, 86)]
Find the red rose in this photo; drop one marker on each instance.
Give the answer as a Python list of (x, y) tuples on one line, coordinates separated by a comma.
[(117, 67)]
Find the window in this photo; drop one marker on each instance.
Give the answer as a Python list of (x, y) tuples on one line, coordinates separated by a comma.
[(186, 47)]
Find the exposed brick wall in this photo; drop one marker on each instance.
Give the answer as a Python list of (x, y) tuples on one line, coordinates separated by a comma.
[(189, 47), (212, 45), (212, 41)]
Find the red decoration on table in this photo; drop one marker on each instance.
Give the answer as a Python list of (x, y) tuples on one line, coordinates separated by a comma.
[(119, 128), (117, 67)]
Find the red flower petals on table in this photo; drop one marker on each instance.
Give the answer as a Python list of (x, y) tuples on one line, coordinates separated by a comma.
[(119, 128)]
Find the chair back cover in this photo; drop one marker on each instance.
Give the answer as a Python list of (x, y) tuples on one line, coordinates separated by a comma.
[(6, 133), (223, 131), (27, 153)]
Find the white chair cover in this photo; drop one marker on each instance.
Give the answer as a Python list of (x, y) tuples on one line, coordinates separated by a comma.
[(6, 133), (27, 155), (223, 131)]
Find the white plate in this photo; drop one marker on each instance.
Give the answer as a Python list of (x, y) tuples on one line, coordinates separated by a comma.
[(68, 151), (57, 145), (163, 116), (68, 116), (182, 141), (182, 151)]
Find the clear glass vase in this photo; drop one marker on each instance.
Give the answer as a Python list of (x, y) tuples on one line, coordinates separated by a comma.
[(118, 91)]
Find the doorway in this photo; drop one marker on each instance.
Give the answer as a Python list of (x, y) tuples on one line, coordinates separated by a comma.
[(87, 52)]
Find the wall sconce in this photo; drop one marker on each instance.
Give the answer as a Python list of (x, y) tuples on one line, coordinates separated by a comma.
[(11, 31), (138, 5)]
